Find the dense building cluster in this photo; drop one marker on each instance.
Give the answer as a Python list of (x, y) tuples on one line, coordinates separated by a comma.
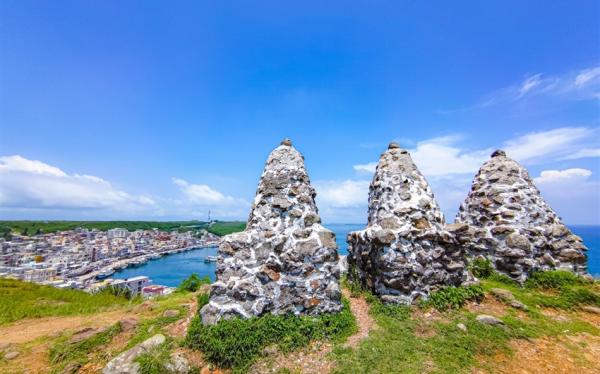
[(76, 258)]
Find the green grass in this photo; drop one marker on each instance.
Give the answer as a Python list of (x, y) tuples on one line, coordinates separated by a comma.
[(453, 297), (551, 289), (236, 343), (20, 300), (224, 228), (399, 345), (64, 353), (154, 361), (193, 283)]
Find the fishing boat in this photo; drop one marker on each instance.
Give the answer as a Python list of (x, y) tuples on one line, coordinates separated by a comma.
[(105, 273), (208, 259)]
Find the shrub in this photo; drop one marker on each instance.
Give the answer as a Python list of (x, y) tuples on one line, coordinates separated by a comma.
[(236, 343), (454, 297), (481, 267), (203, 299), (554, 279), (155, 360), (193, 283)]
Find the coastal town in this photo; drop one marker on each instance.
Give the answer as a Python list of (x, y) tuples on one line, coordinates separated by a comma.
[(86, 259)]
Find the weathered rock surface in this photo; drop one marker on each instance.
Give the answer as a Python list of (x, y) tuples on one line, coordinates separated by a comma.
[(511, 224), (405, 252), (488, 320), (285, 261), (508, 298), (125, 362)]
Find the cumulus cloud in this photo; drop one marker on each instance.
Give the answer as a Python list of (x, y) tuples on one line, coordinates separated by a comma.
[(343, 194), (32, 184), (554, 176), (199, 198), (572, 194)]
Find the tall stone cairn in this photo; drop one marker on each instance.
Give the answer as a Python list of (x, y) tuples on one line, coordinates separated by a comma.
[(285, 261), (511, 224), (405, 252)]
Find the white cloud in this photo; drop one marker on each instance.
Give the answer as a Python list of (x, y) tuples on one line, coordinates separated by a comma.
[(440, 157), (578, 85), (530, 83), (201, 193), (553, 176), (31, 184), (553, 144), (572, 194), (583, 153), (366, 168), (200, 198), (587, 76), (343, 194)]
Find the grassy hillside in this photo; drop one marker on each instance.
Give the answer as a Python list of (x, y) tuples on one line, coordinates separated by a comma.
[(20, 300), (35, 227), (44, 227), (225, 228)]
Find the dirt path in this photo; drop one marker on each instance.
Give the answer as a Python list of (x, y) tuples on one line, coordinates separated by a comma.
[(313, 359), (30, 329), (364, 321)]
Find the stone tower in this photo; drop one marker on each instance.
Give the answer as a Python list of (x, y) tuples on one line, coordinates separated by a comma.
[(284, 261), (513, 226), (405, 251)]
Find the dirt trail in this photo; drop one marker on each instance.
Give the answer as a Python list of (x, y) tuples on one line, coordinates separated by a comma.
[(30, 329), (313, 359), (364, 321)]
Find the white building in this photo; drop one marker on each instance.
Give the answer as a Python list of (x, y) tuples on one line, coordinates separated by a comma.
[(117, 233)]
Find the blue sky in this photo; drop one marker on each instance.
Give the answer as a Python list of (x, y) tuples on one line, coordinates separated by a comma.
[(154, 110)]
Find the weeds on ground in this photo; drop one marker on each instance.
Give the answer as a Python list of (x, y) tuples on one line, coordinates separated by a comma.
[(20, 300), (236, 343), (155, 361), (64, 353), (453, 297)]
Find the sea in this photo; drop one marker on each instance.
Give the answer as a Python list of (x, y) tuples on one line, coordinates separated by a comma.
[(170, 270)]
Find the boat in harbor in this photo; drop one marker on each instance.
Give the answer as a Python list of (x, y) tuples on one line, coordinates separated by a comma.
[(105, 273), (208, 259)]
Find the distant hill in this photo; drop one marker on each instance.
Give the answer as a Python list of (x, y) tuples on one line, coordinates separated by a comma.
[(44, 227)]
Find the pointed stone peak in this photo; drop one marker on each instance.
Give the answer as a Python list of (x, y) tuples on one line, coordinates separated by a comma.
[(284, 261), (514, 226), (498, 153), (399, 194), (284, 191)]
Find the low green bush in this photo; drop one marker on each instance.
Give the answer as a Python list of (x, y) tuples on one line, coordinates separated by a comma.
[(203, 299), (481, 267), (453, 297), (554, 279), (193, 283), (236, 343)]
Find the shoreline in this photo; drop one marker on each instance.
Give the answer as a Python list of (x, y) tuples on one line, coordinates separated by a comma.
[(134, 262)]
